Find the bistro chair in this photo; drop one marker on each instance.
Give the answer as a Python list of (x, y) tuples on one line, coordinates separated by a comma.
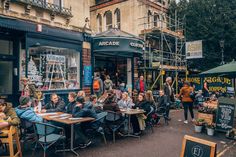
[(149, 121), (114, 121), (97, 126), (161, 113), (7, 137), (46, 136)]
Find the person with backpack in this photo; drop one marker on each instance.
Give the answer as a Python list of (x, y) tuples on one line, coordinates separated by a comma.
[(108, 83), (97, 85)]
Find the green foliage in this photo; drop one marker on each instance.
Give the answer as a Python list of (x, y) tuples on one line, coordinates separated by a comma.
[(210, 21)]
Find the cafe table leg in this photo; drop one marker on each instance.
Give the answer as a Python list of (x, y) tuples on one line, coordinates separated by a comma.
[(129, 128), (72, 149)]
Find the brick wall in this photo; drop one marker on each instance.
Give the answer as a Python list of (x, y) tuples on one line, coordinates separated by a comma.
[(86, 59)]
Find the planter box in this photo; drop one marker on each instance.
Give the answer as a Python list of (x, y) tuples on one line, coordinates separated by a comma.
[(207, 117)]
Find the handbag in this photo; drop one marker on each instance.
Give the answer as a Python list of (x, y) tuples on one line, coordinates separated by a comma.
[(192, 95)]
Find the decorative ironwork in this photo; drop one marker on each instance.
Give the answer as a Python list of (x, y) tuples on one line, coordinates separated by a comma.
[(47, 6)]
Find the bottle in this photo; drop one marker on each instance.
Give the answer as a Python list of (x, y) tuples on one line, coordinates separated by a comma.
[(39, 106)]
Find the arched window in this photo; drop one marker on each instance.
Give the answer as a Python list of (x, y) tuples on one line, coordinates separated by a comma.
[(117, 18), (108, 19), (149, 21), (99, 23)]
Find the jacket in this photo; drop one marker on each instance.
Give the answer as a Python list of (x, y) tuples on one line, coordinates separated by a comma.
[(162, 101), (69, 107), (144, 105), (83, 112), (185, 93), (100, 85), (111, 107), (11, 116), (108, 84), (137, 85), (58, 107), (28, 114), (169, 92)]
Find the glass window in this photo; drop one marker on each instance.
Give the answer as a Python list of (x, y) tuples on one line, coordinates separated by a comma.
[(6, 71), (108, 17), (117, 18), (99, 23), (149, 18), (6, 47), (156, 19), (53, 68)]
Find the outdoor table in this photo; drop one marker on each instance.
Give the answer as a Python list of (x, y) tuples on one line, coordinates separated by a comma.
[(130, 112), (65, 119)]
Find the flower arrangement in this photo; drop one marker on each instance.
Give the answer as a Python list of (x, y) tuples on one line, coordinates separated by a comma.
[(199, 122)]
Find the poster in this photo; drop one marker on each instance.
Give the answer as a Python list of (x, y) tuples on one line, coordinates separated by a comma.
[(88, 75)]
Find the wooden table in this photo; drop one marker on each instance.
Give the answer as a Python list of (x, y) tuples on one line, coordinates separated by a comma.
[(130, 112), (67, 121)]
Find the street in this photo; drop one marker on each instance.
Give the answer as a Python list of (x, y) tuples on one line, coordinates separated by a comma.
[(166, 141)]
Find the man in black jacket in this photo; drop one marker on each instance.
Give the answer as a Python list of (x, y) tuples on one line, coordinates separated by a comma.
[(169, 92), (55, 105)]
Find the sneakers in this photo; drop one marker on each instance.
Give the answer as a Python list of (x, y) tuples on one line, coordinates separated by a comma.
[(193, 120), (185, 122), (85, 145)]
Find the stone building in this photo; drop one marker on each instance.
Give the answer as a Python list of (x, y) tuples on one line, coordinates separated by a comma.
[(47, 41)]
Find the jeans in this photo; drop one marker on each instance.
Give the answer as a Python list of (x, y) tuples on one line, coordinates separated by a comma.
[(188, 105)]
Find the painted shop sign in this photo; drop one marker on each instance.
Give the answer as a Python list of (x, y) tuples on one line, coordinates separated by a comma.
[(109, 43), (215, 83), (136, 45)]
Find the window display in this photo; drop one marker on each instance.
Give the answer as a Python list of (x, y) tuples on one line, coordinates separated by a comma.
[(53, 68)]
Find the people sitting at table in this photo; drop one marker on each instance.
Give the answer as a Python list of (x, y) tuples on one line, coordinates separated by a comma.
[(8, 116), (110, 104), (81, 93), (149, 99), (92, 104), (24, 110), (142, 103), (72, 102), (56, 104), (126, 101), (80, 111)]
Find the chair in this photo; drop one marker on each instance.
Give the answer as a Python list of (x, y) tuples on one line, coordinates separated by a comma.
[(150, 121), (26, 132), (114, 121), (161, 112), (97, 126), (7, 136), (46, 135)]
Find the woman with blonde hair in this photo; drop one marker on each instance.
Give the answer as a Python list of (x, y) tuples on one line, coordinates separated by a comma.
[(149, 98), (126, 101)]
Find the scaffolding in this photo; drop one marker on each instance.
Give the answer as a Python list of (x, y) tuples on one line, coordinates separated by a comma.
[(165, 45)]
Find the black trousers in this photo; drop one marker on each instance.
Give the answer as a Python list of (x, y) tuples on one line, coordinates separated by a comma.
[(135, 124), (188, 105)]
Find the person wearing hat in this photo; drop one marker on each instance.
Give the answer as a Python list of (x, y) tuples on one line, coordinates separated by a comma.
[(24, 111), (28, 88), (8, 116)]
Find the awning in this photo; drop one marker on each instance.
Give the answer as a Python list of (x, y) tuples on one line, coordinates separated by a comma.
[(115, 42)]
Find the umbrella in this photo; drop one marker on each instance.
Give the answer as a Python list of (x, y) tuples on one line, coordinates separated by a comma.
[(223, 70)]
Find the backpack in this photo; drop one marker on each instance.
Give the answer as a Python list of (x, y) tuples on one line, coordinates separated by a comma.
[(96, 85)]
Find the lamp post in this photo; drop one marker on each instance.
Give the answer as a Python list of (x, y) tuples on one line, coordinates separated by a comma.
[(222, 44)]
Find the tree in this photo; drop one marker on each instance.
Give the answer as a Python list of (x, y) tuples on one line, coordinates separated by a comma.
[(210, 21)]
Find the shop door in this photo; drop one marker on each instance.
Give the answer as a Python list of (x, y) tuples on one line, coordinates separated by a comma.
[(6, 75)]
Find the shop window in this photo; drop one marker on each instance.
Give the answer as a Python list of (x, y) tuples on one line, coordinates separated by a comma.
[(53, 68), (156, 19), (117, 18), (108, 19), (99, 23), (6, 47), (149, 18)]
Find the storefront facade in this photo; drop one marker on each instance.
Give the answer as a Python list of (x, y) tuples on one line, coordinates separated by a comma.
[(115, 54), (50, 57)]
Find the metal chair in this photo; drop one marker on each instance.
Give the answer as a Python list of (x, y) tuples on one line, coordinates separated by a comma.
[(161, 113), (46, 136), (97, 126), (149, 121), (26, 132), (114, 121)]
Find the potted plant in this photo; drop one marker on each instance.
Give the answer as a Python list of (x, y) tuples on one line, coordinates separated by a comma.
[(198, 125), (210, 129)]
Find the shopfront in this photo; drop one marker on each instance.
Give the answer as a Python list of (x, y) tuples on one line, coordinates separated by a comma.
[(49, 57), (114, 54)]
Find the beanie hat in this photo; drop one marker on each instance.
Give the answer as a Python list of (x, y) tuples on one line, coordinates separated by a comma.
[(24, 100)]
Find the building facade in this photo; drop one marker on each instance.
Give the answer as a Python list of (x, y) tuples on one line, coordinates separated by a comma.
[(47, 41)]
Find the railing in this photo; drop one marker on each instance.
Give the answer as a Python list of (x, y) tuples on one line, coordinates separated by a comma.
[(47, 6)]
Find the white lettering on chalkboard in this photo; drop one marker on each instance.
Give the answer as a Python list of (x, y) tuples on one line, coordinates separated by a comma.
[(225, 113), (197, 151)]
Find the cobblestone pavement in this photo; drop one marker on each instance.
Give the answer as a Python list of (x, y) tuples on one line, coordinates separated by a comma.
[(166, 141)]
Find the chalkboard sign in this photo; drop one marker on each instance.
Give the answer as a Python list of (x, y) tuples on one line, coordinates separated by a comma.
[(196, 147), (225, 114)]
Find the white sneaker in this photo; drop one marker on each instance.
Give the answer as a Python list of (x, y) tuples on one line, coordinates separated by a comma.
[(193, 120), (185, 122)]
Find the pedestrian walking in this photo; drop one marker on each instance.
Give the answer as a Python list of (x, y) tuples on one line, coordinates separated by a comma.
[(187, 101), (108, 83), (140, 85), (205, 89), (169, 92), (97, 85)]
